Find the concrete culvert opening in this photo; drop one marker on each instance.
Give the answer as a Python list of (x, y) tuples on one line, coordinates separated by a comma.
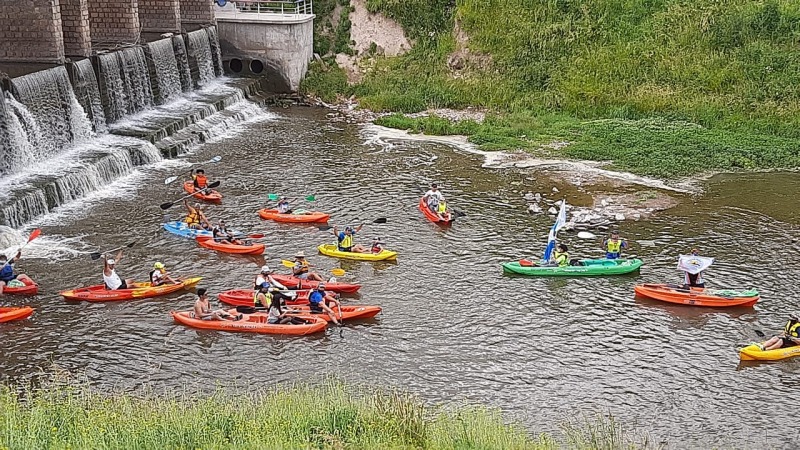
[(256, 66), (236, 65)]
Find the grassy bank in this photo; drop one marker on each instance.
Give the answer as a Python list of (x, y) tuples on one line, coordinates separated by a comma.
[(661, 87), (330, 416)]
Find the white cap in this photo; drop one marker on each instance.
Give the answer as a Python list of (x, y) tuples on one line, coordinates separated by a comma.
[(265, 269), (110, 262)]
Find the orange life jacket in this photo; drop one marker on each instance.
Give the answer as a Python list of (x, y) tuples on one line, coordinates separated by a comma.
[(200, 181)]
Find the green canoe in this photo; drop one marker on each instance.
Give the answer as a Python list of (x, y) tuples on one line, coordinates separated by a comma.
[(590, 267)]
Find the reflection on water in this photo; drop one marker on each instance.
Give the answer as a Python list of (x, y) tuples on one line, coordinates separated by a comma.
[(453, 328)]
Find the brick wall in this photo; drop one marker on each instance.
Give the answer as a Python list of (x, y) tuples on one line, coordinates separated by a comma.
[(196, 12), (75, 24), (160, 15), (30, 30), (113, 22)]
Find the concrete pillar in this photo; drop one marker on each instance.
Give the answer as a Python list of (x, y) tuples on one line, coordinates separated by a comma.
[(195, 13), (75, 25), (160, 16), (113, 22), (30, 31)]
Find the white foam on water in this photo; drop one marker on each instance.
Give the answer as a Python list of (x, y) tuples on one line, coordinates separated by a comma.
[(50, 247), (382, 136)]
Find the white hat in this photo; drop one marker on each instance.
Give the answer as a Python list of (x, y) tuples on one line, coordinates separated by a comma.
[(265, 269), (110, 262), (299, 255)]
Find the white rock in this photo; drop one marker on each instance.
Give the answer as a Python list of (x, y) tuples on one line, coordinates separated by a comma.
[(537, 197), (604, 202), (555, 189), (559, 202), (637, 216), (530, 197), (619, 217), (535, 208), (552, 211)]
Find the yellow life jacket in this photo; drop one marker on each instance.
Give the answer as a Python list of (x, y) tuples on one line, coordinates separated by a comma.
[(562, 259), (303, 267), (442, 208), (614, 247), (792, 328), (267, 297), (347, 242), (193, 218)]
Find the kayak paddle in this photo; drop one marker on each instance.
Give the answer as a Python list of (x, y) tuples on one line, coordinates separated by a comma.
[(586, 235), (168, 205), (34, 234), (96, 255), (335, 272), (276, 197), (212, 160)]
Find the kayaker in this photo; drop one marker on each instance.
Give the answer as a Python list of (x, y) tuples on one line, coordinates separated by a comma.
[(614, 245), (276, 315), (316, 301), (159, 275), (301, 268), (433, 197), (199, 180), (221, 235), (377, 245), (112, 281), (266, 277), (203, 311), (195, 218), (7, 271), (441, 210), (694, 279), (790, 337), (283, 206), (262, 298), (560, 256), (345, 239)]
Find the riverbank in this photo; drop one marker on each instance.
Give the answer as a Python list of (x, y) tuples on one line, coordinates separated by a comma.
[(327, 416), (666, 89)]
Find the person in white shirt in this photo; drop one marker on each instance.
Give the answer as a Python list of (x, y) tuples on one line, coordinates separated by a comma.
[(112, 281), (433, 197)]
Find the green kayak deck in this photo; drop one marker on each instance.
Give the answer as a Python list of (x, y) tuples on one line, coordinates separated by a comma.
[(590, 267)]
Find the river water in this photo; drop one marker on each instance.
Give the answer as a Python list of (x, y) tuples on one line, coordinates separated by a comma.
[(454, 329)]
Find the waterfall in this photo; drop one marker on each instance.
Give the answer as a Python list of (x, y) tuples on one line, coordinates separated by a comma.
[(179, 47), (124, 83), (200, 52), (6, 151), (87, 92), (216, 54), (165, 70), (24, 136), (49, 97)]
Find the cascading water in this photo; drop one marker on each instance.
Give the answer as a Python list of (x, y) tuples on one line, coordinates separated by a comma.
[(49, 97), (179, 47), (216, 54), (84, 83), (200, 52), (165, 70), (124, 83), (6, 151)]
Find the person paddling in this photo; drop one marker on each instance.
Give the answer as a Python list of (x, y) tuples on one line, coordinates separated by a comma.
[(112, 281), (614, 245), (316, 301), (7, 271), (200, 181), (433, 197), (283, 206), (301, 268), (345, 239), (790, 337), (222, 235), (560, 256), (195, 218), (203, 311), (159, 275)]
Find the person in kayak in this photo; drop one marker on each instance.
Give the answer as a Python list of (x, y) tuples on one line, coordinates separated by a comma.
[(195, 218), (276, 316), (283, 206), (345, 239), (112, 281), (614, 245), (222, 235), (790, 337), (203, 311), (265, 276), (316, 301), (301, 268), (433, 197), (262, 297), (159, 275), (694, 279), (200, 181), (377, 245), (7, 271), (560, 256)]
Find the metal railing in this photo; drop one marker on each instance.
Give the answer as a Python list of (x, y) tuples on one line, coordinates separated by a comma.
[(286, 8)]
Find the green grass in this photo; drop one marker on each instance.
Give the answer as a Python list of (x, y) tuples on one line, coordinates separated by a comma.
[(697, 85), (329, 416)]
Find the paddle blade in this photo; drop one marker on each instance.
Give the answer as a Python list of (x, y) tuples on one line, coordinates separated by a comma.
[(213, 185), (215, 159), (272, 197), (131, 244), (310, 198), (380, 220), (34, 234), (167, 205), (338, 272), (759, 333), (287, 263), (586, 235), (95, 256), (324, 227), (170, 180)]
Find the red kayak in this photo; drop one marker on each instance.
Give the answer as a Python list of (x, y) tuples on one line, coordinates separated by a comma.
[(208, 196), (294, 282), (348, 312), (432, 216), (10, 314), (244, 297), (208, 242), (30, 288)]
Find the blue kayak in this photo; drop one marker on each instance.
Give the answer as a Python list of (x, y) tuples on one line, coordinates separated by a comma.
[(178, 227)]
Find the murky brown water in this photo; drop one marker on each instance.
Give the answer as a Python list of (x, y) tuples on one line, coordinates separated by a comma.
[(453, 328)]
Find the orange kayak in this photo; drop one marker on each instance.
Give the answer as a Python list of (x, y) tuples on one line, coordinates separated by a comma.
[(244, 297), (714, 298), (349, 312), (28, 289), (209, 195), (99, 293), (432, 216), (10, 314), (254, 249), (294, 282), (251, 323), (309, 217)]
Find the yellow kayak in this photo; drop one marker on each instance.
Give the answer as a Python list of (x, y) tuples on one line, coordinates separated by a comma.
[(754, 353), (333, 250)]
